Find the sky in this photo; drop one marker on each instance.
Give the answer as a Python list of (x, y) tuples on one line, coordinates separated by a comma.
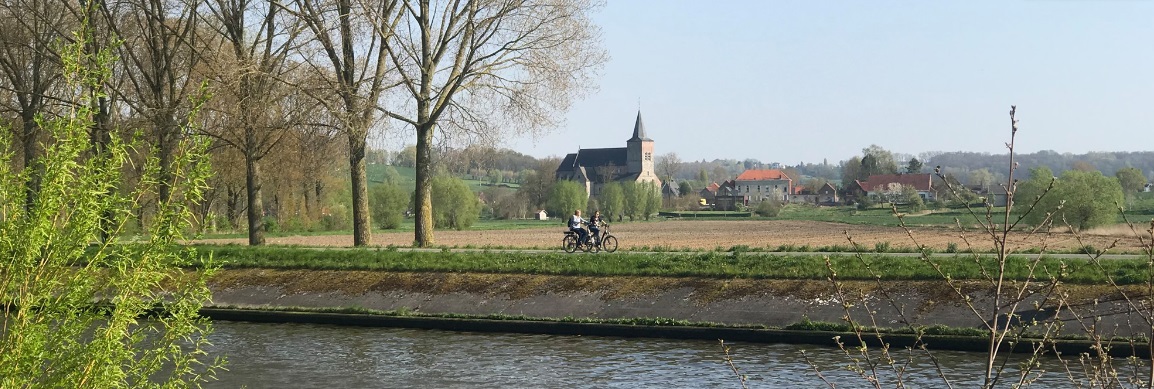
[(807, 81)]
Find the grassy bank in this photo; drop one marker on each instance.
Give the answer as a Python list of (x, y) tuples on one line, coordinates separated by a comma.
[(700, 264)]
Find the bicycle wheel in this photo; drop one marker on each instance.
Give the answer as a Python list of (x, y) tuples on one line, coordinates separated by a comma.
[(609, 243), (569, 243), (586, 246)]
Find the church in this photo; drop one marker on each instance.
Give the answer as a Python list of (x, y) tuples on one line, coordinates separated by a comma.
[(593, 168)]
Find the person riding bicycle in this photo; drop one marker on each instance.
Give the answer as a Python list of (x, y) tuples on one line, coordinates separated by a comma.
[(575, 223), (595, 223)]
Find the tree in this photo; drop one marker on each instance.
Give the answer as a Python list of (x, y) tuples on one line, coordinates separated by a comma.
[(389, 203), (159, 55), (353, 64), (883, 161), (702, 175), (651, 195), (1091, 199), (457, 206), (667, 165), (494, 176), (73, 312), (565, 197), (478, 67), (851, 170), (685, 189), (982, 178), (30, 65), (247, 68), (1131, 179), (407, 157), (536, 184), (634, 199), (914, 166), (911, 199), (1084, 199), (612, 200)]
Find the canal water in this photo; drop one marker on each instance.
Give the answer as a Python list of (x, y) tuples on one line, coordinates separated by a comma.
[(322, 356)]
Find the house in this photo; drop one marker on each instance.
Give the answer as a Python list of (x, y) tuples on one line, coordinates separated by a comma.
[(593, 168), (881, 187), (670, 191), (709, 193), (726, 198), (755, 185), (824, 195), (542, 215)]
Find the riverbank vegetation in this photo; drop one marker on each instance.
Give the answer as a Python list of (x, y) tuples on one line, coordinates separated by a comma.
[(694, 264)]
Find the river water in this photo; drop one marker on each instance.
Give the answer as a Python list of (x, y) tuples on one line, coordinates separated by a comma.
[(322, 356)]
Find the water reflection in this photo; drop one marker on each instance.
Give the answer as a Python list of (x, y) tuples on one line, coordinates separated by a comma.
[(318, 356)]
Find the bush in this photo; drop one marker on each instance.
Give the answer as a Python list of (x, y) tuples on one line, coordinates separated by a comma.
[(454, 206), (388, 203), (768, 208)]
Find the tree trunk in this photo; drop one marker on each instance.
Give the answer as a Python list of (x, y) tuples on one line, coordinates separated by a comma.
[(30, 134), (423, 232), (362, 236), (255, 203)]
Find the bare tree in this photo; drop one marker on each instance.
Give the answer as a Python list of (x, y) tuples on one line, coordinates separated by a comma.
[(475, 68), (254, 108), (353, 61), (29, 33), (668, 165), (158, 57)]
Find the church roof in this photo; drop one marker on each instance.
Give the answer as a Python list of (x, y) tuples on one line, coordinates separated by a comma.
[(639, 130), (595, 158)]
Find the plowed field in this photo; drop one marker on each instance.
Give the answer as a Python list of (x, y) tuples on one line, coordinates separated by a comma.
[(709, 235)]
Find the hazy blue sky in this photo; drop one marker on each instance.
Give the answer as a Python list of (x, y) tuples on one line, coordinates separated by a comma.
[(792, 81)]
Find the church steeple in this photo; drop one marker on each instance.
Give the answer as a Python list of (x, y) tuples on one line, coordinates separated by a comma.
[(639, 130)]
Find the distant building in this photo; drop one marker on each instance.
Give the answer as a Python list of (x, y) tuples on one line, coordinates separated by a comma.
[(542, 215), (755, 185), (877, 186), (593, 168)]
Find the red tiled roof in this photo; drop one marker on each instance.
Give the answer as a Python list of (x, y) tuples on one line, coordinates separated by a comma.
[(762, 174), (713, 187), (918, 181)]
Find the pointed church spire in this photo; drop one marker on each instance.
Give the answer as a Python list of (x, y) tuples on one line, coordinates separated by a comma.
[(639, 130)]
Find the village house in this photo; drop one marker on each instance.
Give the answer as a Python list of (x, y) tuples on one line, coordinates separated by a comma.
[(756, 185), (593, 168), (824, 195), (879, 186)]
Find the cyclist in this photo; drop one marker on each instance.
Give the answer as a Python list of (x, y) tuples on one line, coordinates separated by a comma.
[(575, 223), (595, 223)]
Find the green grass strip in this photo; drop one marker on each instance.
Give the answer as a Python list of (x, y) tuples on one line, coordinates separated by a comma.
[(704, 264)]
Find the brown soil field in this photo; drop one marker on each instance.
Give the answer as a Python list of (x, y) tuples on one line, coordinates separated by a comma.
[(709, 235)]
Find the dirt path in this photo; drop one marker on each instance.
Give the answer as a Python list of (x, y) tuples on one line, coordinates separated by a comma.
[(709, 235)]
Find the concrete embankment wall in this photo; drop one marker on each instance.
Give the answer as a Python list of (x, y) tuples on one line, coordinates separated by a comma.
[(737, 302)]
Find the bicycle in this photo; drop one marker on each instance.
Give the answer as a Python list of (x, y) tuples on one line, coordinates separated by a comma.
[(606, 242), (571, 245)]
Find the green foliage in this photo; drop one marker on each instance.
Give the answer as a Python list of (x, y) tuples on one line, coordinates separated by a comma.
[(388, 203), (566, 196), (1131, 179), (768, 208), (686, 189), (73, 307), (634, 200), (912, 200), (1085, 199), (651, 195), (612, 200), (454, 204)]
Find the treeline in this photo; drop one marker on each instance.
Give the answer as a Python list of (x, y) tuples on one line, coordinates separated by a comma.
[(1105, 162), (288, 91)]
